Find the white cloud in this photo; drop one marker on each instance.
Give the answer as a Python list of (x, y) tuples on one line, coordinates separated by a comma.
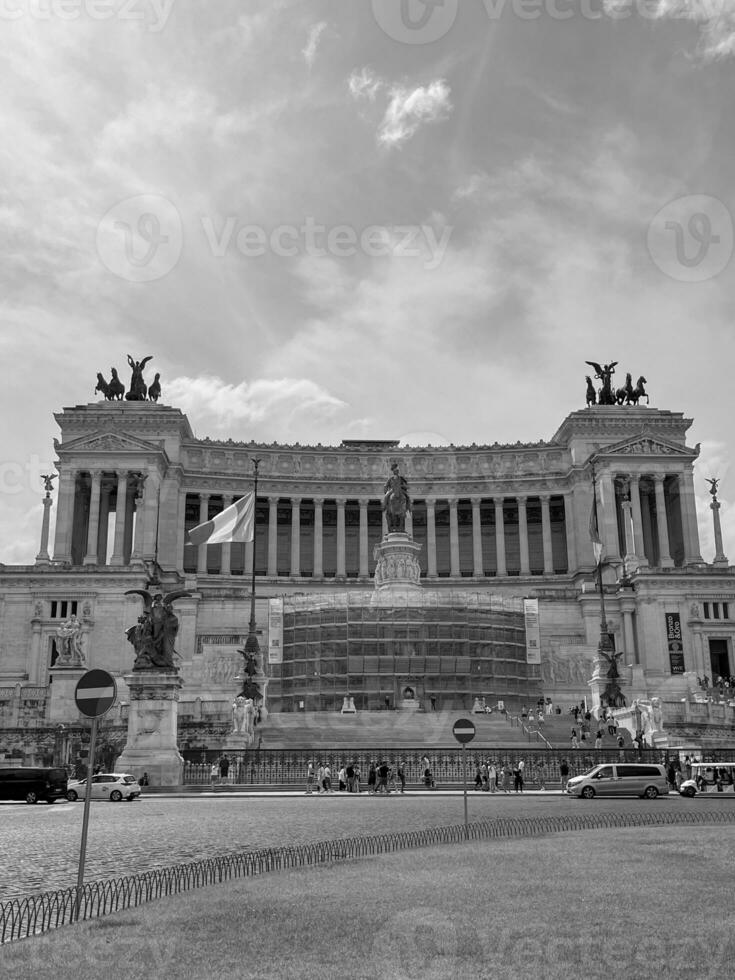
[(285, 407), (716, 19), (365, 84), (312, 43), (411, 108)]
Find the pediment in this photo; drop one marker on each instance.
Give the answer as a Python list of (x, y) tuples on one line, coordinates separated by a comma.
[(114, 443), (646, 445)]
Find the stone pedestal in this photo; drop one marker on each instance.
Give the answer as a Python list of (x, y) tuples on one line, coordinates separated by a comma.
[(62, 705), (152, 727), (397, 569)]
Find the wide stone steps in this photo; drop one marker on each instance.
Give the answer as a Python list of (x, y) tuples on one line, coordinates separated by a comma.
[(397, 729)]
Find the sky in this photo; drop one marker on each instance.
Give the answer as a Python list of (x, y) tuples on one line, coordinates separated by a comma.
[(390, 219)]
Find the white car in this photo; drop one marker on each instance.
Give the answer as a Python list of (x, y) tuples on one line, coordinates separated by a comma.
[(112, 786)]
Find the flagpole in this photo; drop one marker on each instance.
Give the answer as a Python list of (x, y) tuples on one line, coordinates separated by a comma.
[(251, 643)]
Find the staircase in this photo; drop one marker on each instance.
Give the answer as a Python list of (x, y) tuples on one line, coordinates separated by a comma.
[(558, 730), (395, 729)]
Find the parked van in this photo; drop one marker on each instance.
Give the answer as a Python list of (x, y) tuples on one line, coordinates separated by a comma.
[(33, 785), (620, 779)]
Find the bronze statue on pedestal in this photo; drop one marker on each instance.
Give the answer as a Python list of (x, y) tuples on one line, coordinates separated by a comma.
[(154, 635), (396, 501)]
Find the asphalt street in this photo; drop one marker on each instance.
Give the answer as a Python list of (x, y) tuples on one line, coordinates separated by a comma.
[(39, 845)]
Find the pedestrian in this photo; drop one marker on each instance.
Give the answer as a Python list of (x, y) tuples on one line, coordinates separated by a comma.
[(429, 779), (505, 778), (214, 773), (372, 778), (224, 767), (484, 776), (144, 780), (401, 773), (383, 770), (433, 702), (575, 743), (342, 778), (327, 780), (564, 774), (598, 739), (491, 777), (517, 778), (612, 725), (478, 777), (320, 778), (309, 778), (350, 773), (541, 775)]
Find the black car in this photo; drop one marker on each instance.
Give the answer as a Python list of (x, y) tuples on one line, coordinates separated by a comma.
[(33, 785)]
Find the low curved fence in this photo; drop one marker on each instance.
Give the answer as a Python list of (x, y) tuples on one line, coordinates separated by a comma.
[(36, 914)]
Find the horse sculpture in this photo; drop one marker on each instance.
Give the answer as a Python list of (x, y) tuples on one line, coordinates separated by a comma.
[(396, 502), (591, 393), (154, 391), (640, 392), (626, 394), (102, 386), (116, 388)]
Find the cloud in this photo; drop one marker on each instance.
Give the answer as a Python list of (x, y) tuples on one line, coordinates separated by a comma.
[(411, 108), (365, 84), (285, 407), (716, 19), (312, 43)]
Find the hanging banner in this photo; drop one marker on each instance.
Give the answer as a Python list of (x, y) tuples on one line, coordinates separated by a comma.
[(533, 633), (275, 631), (676, 647)]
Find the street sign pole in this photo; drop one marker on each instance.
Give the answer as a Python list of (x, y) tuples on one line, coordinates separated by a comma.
[(94, 696), (85, 818), (464, 731), (464, 778)]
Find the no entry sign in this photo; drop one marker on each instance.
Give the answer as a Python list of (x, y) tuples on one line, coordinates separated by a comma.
[(463, 730), (95, 693)]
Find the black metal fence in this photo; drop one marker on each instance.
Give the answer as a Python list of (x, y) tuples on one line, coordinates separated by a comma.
[(25, 917), (287, 767)]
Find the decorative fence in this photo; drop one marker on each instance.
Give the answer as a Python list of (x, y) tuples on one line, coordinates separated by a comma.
[(22, 918), (287, 767)]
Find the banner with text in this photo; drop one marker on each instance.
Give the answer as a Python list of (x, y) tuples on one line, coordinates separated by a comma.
[(275, 631), (533, 633), (673, 638)]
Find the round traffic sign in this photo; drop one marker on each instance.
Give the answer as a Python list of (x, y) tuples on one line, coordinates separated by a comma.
[(95, 693), (463, 730)]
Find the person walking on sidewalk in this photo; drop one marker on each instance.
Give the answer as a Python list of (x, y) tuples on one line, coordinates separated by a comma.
[(309, 777)]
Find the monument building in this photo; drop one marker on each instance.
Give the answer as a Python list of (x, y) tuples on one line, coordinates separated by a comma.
[(443, 620)]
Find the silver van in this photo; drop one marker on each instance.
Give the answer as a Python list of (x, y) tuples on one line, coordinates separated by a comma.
[(620, 779)]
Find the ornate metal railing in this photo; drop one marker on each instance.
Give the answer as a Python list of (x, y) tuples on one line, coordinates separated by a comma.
[(36, 914), (287, 767)]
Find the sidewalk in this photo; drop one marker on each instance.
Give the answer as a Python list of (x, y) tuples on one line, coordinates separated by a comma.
[(209, 792)]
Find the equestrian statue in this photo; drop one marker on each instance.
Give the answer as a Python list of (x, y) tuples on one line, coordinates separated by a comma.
[(396, 501), (607, 395)]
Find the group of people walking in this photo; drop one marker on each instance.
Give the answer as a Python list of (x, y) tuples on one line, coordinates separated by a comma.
[(382, 777)]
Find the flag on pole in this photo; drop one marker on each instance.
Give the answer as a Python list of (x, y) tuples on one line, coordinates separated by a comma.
[(595, 529), (234, 523)]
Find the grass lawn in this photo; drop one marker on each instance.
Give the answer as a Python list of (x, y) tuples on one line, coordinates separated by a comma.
[(615, 904)]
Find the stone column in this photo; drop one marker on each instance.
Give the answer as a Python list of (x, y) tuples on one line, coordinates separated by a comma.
[(120, 511), (720, 560), (627, 607), (689, 529), (104, 522), (453, 539), (607, 518), (318, 537), (635, 499), (546, 534), (34, 667), (341, 537), (64, 515), (140, 520), (364, 565), (572, 560), (202, 549), (225, 567), (295, 537), (42, 558), (664, 554), (93, 527), (477, 567), (409, 523), (273, 537), (523, 535), (500, 537), (431, 538), (128, 541), (630, 556)]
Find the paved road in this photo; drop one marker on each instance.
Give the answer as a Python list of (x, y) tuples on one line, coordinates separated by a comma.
[(40, 844)]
